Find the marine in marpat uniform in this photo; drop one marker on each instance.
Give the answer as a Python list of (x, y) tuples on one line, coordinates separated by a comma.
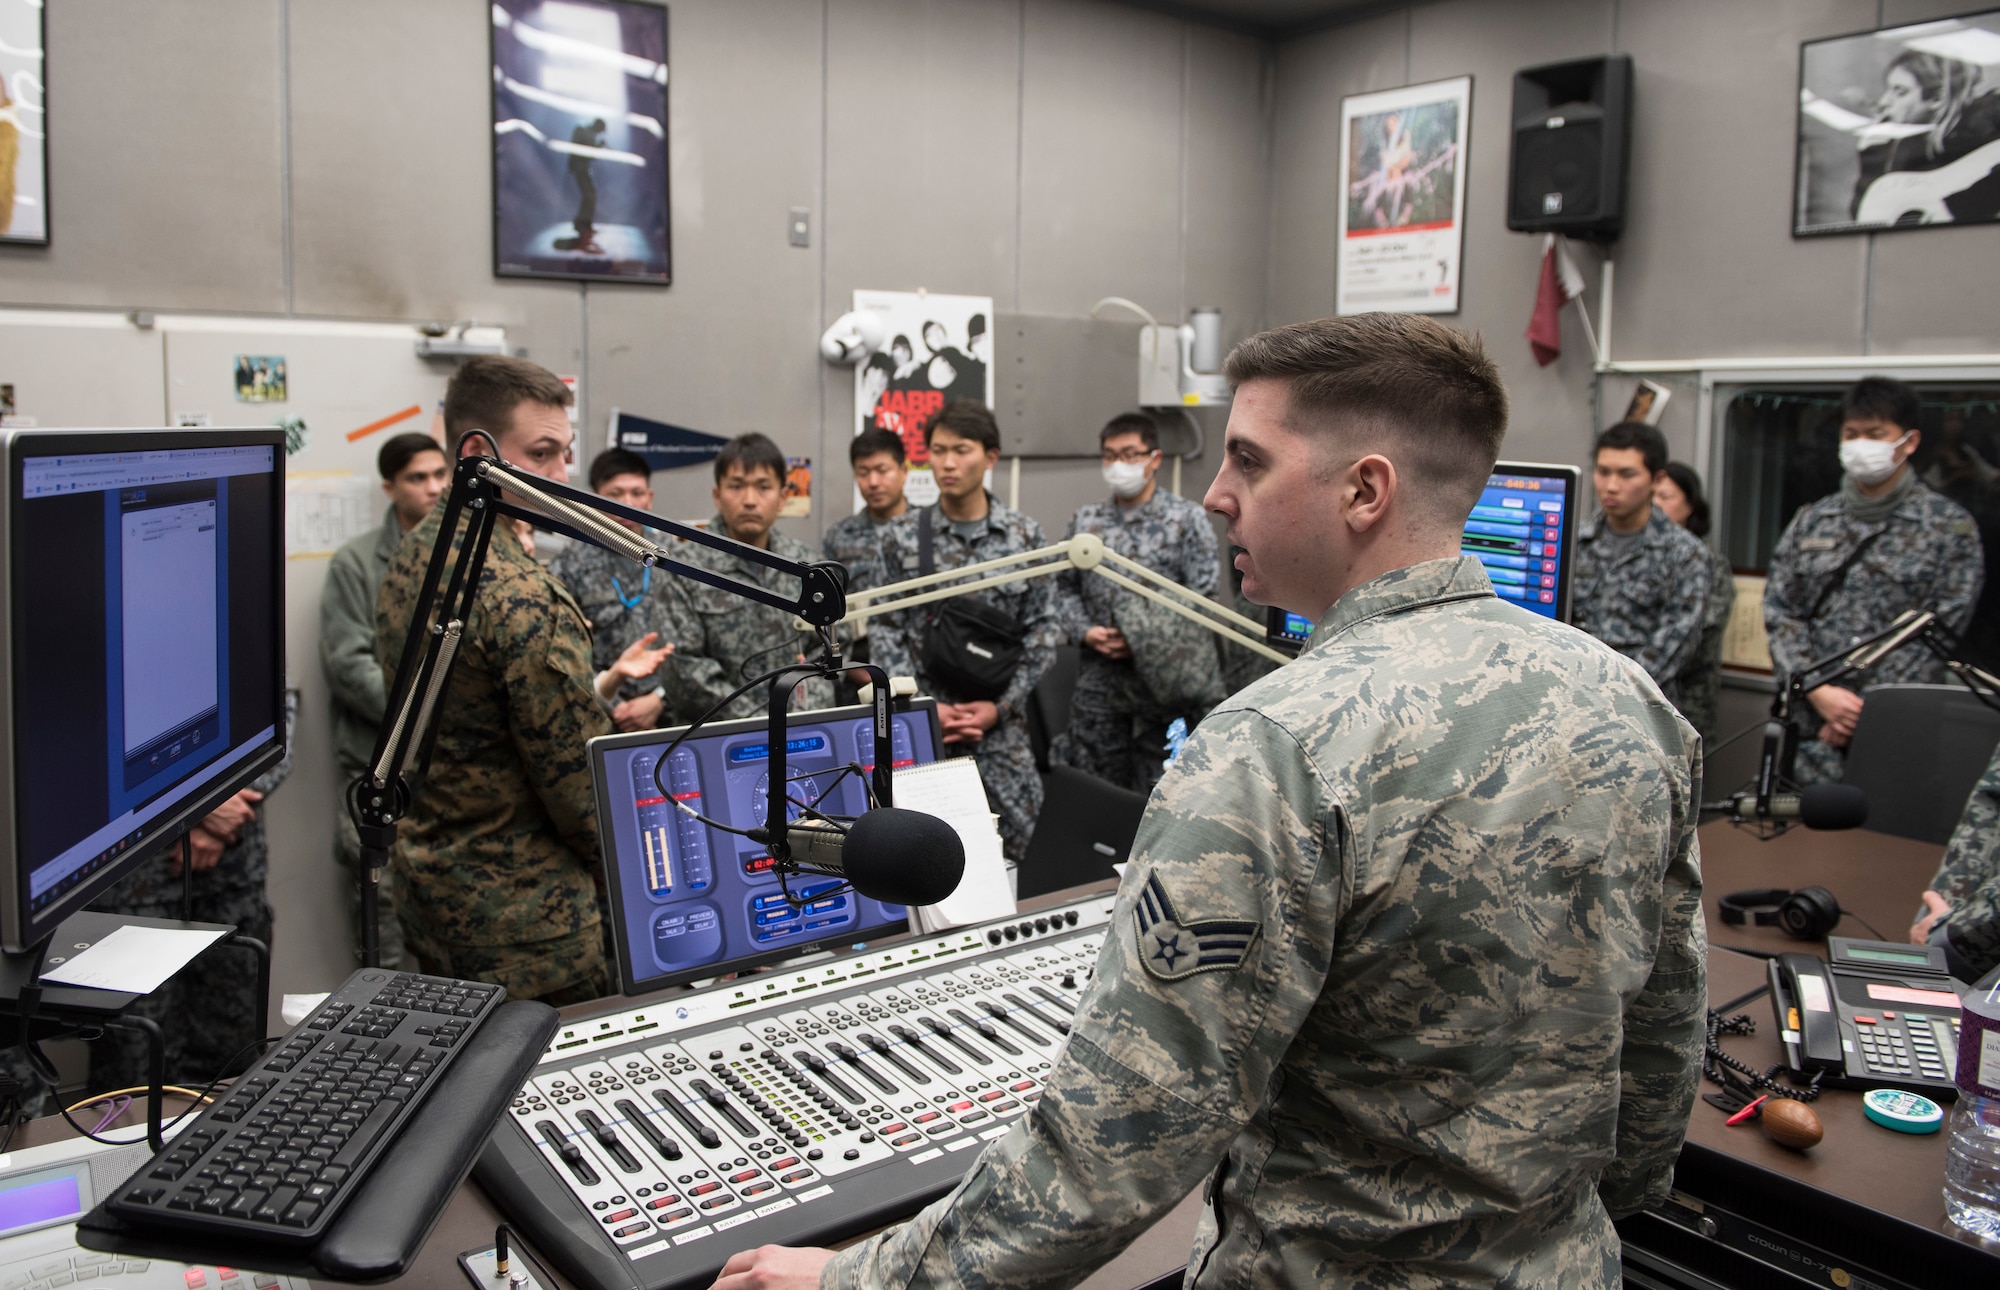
[(720, 639), (494, 862), (1962, 905), (621, 600), (1848, 564), (964, 444), (1409, 962), (1141, 666), (208, 1011), (1641, 581)]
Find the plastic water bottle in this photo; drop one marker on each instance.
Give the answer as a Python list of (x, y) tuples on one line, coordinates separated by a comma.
[(1972, 1160)]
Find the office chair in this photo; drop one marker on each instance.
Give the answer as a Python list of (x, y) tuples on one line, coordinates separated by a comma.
[(1048, 703), (1085, 826), (1917, 751)]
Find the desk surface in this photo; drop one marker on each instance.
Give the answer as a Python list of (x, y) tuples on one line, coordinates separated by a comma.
[(1880, 878)]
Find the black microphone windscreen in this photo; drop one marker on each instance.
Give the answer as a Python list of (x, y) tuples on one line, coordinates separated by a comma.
[(902, 857), (1832, 806)]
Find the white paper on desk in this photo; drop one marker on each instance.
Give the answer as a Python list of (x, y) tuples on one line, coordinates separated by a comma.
[(136, 960), (952, 791)]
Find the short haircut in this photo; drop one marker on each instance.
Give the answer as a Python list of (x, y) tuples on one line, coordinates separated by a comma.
[(613, 462), (1881, 397), (975, 326), (874, 441), (1650, 443), (485, 390), (968, 419), (883, 362), (1690, 485), (1137, 423), (753, 452), (904, 341), (399, 452), (1427, 387)]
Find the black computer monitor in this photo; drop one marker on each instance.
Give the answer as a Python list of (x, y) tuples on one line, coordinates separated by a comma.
[(1523, 529), (144, 592), (689, 901)]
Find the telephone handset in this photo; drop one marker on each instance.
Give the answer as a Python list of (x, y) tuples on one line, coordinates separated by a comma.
[(1808, 1027), (1872, 1014)]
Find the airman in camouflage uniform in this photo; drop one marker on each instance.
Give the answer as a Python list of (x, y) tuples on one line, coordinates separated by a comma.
[(1006, 761), (1922, 552), (208, 1011), (1963, 902), (1409, 962), (1646, 596), (1118, 724), (1701, 687), (856, 542), (621, 600), (494, 862), (722, 640)]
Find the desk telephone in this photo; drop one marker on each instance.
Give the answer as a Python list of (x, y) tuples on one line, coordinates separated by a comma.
[(1873, 1014)]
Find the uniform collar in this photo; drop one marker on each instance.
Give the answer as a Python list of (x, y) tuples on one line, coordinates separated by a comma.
[(1144, 510), (1432, 582), (389, 537), (1657, 524), (991, 519)]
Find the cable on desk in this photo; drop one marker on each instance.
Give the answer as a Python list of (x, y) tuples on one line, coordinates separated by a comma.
[(1735, 1076), (182, 1089), (207, 1094)]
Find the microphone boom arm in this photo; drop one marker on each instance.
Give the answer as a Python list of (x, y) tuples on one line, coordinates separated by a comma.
[(380, 796)]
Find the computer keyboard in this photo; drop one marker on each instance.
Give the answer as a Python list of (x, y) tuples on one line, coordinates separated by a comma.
[(277, 1156)]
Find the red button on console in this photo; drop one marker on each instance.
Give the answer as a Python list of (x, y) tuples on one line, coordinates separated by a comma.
[(927, 1117), (703, 1189), (956, 1107), (661, 1202), (1023, 1086), (993, 1095), (745, 1176), (786, 1163), (621, 1216)]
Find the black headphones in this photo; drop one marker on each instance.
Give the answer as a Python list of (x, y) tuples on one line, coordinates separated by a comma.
[(1807, 914)]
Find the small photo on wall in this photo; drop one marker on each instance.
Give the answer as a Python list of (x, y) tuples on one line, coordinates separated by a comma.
[(24, 126), (260, 378), (580, 140), (1900, 128)]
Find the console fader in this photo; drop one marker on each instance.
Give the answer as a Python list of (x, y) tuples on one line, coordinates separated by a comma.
[(793, 1107)]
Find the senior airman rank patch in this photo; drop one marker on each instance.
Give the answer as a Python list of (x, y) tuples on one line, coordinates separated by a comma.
[(1173, 949)]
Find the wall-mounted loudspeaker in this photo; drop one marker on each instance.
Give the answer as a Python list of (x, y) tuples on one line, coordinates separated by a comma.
[(1572, 133)]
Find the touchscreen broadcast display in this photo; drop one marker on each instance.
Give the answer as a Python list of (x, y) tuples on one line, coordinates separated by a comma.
[(1522, 529), (692, 901)]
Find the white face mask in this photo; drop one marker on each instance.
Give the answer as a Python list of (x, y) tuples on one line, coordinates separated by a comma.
[(1127, 478), (1870, 461)]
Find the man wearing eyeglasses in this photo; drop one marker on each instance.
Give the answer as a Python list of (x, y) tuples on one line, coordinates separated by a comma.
[(1142, 666), (720, 639), (622, 600)]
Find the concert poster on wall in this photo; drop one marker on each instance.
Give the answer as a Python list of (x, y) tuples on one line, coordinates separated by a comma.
[(1899, 128), (1402, 209), (24, 127), (940, 349), (580, 140)]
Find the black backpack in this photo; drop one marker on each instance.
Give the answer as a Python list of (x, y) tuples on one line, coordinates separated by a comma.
[(970, 649)]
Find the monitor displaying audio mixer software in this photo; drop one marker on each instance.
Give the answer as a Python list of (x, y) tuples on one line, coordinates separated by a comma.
[(689, 901), (1522, 529)]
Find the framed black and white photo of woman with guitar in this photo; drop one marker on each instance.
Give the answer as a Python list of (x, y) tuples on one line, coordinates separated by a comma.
[(1900, 128)]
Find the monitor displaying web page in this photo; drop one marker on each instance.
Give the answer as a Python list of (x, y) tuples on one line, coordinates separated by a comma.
[(1523, 529), (144, 600), (691, 901)]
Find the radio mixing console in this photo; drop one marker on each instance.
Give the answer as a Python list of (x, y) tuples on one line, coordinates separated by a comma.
[(793, 1107)]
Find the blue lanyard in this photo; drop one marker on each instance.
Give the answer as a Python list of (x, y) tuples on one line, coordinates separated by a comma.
[(645, 585)]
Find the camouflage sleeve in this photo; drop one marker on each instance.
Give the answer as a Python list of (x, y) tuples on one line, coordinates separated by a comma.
[(693, 680), (1969, 857), (1071, 617), (1201, 558), (541, 653), (1785, 605), (1171, 1055), (1963, 574), (1675, 639), (347, 638), (1660, 1061), (268, 782), (1044, 632)]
